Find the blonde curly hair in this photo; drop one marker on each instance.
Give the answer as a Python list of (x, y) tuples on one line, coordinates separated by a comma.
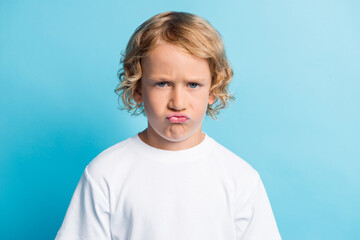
[(193, 34)]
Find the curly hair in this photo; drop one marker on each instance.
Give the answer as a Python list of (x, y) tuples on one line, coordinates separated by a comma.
[(193, 34)]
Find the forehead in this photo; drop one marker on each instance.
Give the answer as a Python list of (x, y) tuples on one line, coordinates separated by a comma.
[(169, 59)]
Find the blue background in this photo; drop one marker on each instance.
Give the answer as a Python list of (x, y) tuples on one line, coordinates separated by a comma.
[(295, 119)]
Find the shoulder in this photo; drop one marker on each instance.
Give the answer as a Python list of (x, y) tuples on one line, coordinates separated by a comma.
[(233, 164), (231, 160), (110, 160)]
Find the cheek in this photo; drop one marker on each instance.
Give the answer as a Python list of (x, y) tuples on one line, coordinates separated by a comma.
[(202, 97), (153, 105), (200, 102)]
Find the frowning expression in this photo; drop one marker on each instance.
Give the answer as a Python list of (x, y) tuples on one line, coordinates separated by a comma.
[(175, 93)]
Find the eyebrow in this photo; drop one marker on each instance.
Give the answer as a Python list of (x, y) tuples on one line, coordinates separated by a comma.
[(164, 79)]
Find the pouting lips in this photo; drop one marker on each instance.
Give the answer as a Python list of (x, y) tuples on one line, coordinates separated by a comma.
[(177, 119)]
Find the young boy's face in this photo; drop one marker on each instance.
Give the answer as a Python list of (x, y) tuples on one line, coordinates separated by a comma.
[(175, 93)]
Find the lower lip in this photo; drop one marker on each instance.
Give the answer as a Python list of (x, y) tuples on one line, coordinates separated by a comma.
[(177, 119)]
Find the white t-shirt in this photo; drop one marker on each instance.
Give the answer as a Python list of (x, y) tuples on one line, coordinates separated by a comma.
[(132, 191)]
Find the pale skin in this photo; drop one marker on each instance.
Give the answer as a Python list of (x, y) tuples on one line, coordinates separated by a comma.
[(174, 83)]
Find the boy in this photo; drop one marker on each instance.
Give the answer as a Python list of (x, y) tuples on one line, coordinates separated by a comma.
[(171, 181)]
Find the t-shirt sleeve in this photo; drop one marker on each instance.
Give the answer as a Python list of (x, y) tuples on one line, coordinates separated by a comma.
[(88, 215), (254, 219)]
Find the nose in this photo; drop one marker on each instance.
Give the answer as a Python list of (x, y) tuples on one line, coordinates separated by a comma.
[(177, 100)]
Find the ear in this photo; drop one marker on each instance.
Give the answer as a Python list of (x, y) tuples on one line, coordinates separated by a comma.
[(137, 95), (211, 98)]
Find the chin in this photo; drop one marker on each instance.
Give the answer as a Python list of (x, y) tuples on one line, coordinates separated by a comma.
[(176, 137)]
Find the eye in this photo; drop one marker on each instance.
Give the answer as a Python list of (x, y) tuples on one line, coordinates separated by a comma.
[(161, 84), (194, 85)]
